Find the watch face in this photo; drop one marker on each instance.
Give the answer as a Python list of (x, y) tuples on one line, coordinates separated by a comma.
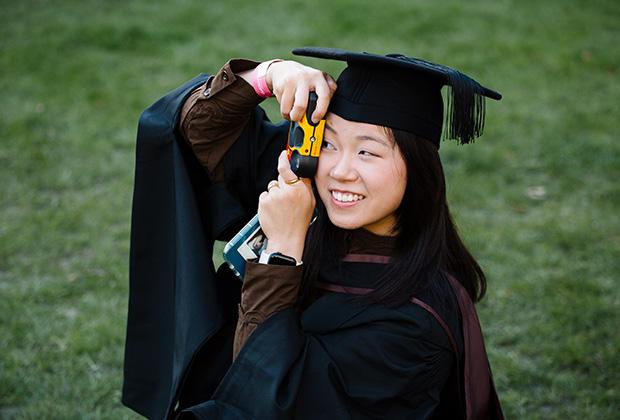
[(280, 259)]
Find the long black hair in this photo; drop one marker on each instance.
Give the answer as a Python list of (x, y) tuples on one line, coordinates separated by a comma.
[(428, 246)]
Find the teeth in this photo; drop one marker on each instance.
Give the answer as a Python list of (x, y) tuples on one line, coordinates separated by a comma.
[(346, 197)]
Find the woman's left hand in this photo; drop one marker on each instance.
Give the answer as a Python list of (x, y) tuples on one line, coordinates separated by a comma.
[(285, 211)]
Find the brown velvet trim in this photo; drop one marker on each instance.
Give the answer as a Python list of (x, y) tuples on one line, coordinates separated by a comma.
[(481, 398), (439, 319), (343, 289), (361, 241), (366, 258)]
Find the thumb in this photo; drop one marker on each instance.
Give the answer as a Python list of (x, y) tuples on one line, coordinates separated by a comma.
[(284, 168)]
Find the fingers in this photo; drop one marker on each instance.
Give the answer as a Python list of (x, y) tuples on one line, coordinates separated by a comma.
[(286, 177), (285, 209), (273, 184), (261, 198), (301, 102), (292, 82), (324, 91), (331, 82), (284, 169), (324, 96), (286, 103)]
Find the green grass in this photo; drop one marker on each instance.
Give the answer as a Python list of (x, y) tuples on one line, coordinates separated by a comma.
[(537, 198)]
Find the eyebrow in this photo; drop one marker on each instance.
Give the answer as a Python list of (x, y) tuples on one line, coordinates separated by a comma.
[(360, 137)]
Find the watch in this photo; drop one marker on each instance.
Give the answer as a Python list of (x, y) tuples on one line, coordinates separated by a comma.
[(277, 258)]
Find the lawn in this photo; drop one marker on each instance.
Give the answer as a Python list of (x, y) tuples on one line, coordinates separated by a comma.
[(537, 197)]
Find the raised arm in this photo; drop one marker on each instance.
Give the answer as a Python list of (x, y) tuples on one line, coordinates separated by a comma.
[(218, 117), (216, 113)]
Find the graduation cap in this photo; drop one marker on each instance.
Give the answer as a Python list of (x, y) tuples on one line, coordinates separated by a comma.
[(405, 93)]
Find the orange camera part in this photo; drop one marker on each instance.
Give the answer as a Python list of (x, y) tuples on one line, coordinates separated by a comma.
[(304, 142)]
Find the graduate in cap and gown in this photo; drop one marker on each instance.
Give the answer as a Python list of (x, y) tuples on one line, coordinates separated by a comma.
[(368, 312)]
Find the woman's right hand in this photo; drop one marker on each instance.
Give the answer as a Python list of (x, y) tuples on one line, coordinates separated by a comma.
[(292, 82), (285, 211)]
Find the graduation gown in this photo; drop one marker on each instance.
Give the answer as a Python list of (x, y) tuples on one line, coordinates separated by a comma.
[(338, 360), (181, 313)]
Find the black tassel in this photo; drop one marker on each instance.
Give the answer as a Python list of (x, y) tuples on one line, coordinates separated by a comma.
[(465, 109)]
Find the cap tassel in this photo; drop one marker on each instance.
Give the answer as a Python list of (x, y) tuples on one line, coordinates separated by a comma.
[(465, 110)]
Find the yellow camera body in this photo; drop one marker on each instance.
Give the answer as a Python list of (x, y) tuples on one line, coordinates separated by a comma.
[(304, 142)]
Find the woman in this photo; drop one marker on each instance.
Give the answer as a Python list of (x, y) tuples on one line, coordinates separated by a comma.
[(366, 312)]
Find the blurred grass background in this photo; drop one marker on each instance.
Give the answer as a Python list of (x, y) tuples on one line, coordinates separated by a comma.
[(537, 198)]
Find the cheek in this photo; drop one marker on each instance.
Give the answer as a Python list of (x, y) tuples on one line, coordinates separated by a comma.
[(321, 169), (400, 178), (392, 171), (392, 183), (320, 178), (326, 163)]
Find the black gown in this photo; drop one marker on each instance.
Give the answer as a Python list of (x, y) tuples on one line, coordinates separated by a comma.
[(336, 360), (339, 360)]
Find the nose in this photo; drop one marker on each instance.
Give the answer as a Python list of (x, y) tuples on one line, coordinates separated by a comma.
[(343, 169)]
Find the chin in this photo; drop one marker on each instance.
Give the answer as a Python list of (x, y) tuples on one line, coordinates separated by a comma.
[(346, 226), (344, 222)]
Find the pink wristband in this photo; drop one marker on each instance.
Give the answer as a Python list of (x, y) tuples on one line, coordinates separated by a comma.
[(258, 79)]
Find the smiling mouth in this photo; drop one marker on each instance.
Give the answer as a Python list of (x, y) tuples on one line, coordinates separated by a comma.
[(346, 197)]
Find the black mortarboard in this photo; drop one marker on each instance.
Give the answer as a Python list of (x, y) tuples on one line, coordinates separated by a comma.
[(405, 93)]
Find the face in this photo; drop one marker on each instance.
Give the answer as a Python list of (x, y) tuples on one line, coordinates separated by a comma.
[(361, 177)]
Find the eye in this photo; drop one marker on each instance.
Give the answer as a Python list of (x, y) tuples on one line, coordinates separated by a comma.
[(327, 145), (366, 153)]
